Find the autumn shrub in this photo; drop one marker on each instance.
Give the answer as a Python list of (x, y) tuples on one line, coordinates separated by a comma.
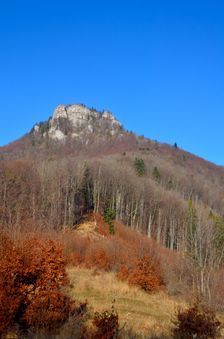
[(50, 309), (106, 324), (128, 235), (144, 273), (32, 273), (97, 257), (75, 247), (75, 327), (74, 259), (196, 322), (132, 256)]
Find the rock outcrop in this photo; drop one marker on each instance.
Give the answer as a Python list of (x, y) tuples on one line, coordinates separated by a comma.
[(78, 121)]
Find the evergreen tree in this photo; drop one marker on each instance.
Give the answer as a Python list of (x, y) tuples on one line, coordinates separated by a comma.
[(109, 216), (156, 174), (218, 235), (139, 166)]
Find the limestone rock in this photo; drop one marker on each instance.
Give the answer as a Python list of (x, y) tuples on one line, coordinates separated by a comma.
[(79, 121)]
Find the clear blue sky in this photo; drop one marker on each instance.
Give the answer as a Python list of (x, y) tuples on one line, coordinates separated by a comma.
[(157, 65)]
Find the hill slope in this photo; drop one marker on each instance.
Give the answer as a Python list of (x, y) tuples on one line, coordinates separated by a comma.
[(96, 166), (138, 311)]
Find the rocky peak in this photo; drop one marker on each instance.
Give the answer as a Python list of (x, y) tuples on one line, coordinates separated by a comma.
[(79, 121)]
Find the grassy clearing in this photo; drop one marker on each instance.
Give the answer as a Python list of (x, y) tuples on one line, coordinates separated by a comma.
[(146, 314)]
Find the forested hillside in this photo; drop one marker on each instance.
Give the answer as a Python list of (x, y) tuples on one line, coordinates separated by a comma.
[(170, 196)]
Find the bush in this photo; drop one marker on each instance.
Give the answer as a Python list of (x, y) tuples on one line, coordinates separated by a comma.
[(49, 310), (133, 257), (147, 275), (97, 257), (31, 275), (107, 325), (196, 322), (76, 326), (144, 273)]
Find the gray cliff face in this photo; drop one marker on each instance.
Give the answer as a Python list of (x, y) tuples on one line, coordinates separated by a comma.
[(79, 121)]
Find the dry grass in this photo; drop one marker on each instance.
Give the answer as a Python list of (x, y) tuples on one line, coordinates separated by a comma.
[(88, 228), (146, 314)]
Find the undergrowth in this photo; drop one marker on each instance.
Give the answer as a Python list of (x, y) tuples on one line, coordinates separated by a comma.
[(133, 257)]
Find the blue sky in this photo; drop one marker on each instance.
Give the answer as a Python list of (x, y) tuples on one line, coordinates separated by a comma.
[(157, 65)]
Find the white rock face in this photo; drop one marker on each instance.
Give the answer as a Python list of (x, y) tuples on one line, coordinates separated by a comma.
[(79, 120), (57, 134), (36, 128)]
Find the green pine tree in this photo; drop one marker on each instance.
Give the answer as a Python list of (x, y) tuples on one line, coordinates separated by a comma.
[(109, 216), (139, 167)]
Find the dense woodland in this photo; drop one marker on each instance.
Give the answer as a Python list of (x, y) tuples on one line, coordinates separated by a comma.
[(172, 197)]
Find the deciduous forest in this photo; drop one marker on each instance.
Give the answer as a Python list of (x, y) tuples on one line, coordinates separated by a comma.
[(151, 214)]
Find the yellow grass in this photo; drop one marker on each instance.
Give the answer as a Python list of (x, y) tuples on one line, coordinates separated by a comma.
[(88, 228), (146, 314)]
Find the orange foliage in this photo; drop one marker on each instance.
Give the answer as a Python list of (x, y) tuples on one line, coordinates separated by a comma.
[(102, 225), (98, 257), (74, 259), (146, 274), (133, 256), (74, 248), (31, 274), (50, 308), (123, 272)]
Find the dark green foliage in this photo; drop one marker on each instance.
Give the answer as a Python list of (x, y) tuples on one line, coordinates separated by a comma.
[(87, 190), (219, 234), (156, 174), (109, 216), (44, 126), (139, 166), (196, 322)]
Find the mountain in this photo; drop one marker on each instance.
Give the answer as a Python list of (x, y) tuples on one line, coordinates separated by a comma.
[(78, 131), (72, 129), (82, 162), (155, 175)]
